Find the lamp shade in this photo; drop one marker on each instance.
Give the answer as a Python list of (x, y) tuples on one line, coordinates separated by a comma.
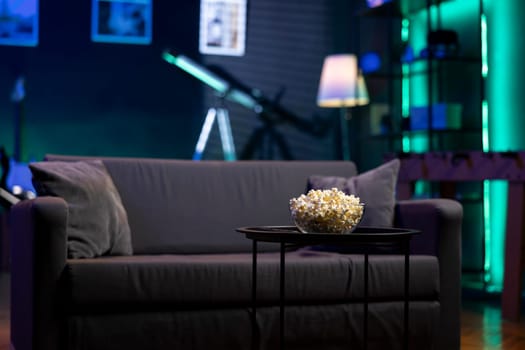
[(341, 83)]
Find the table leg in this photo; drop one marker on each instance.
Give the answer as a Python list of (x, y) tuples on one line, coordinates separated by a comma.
[(406, 248), (255, 333), (365, 305), (281, 304)]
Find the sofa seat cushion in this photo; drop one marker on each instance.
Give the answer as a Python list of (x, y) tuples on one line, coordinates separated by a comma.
[(223, 280)]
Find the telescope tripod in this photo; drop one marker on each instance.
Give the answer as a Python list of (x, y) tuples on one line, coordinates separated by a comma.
[(263, 143), (223, 120)]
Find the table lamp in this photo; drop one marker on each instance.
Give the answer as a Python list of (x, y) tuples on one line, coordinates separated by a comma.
[(342, 86)]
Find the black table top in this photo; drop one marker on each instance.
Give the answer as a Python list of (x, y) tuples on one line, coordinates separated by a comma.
[(290, 234)]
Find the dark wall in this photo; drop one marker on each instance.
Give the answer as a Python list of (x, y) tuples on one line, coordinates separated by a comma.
[(103, 99), (285, 48), (115, 99)]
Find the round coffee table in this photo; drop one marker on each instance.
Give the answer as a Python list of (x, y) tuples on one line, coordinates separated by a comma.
[(363, 237)]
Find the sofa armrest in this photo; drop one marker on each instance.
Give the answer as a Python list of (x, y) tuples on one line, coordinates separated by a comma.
[(38, 253), (440, 221)]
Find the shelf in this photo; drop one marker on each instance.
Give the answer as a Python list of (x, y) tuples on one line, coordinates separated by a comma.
[(425, 131), (445, 131), (456, 59), (421, 70)]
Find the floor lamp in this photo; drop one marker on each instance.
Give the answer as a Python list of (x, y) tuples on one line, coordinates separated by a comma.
[(342, 86)]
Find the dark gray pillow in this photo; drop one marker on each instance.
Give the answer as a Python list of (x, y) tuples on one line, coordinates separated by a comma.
[(376, 188), (97, 221)]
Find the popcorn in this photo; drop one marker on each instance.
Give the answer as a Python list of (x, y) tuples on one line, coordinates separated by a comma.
[(326, 211)]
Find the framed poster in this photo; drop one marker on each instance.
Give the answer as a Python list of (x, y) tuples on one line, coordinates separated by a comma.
[(121, 21), (222, 27), (19, 22)]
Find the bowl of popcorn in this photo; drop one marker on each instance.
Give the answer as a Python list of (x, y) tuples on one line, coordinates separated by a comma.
[(326, 211)]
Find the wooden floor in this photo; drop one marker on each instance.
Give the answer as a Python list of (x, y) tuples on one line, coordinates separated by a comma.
[(481, 324), (483, 329)]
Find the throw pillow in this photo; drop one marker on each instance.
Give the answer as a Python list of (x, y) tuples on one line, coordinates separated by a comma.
[(376, 188), (97, 221)]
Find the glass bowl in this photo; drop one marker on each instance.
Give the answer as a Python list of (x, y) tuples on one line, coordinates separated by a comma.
[(342, 222)]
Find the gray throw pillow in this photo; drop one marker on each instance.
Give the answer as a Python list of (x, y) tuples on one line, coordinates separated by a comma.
[(97, 221), (376, 188)]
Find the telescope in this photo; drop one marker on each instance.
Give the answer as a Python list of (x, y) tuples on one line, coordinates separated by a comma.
[(224, 88), (229, 88)]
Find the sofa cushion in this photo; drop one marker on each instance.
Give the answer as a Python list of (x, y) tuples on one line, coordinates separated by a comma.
[(219, 280), (308, 327), (97, 221), (376, 188)]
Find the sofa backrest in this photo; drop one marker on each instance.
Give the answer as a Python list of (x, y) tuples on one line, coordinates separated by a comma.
[(183, 206)]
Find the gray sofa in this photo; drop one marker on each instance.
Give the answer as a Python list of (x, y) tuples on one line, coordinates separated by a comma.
[(187, 283)]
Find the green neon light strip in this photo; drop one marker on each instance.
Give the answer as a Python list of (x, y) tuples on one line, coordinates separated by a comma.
[(485, 126), (487, 223), (405, 84), (484, 74), (405, 103), (405, 29), (498, 217), (484, 48)]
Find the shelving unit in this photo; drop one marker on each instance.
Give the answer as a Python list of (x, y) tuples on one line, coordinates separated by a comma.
[(423, 81)]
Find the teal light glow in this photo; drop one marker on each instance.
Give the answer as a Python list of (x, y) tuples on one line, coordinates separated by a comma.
[(487, 220), (501, 129), (496, 242), (506, 106), (405, 84), (418, 83), (487, 230), (405, 103), (491, 327), (484, 47), (405, 29), (485, 126), (419, 142)]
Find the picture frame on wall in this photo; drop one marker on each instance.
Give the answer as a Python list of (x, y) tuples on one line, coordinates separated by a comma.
[(122, 21), (19, 22), (222, 27)]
